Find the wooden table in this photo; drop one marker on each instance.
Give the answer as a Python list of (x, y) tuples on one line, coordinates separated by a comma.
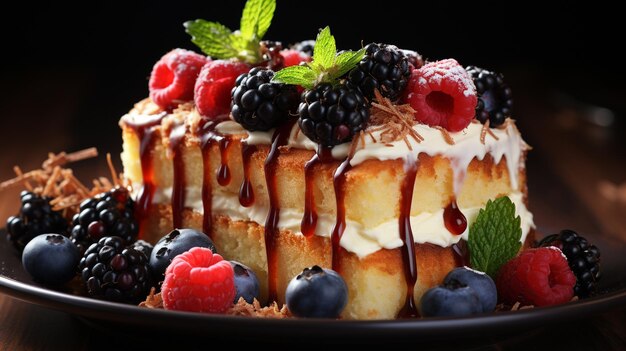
[(577, 180)]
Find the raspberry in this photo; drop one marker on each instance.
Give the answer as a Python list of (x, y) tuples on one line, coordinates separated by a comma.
[(442, 94), (539, 277), (173, 77), (583, 258), (199, 281), (294, 57), (216, 80)]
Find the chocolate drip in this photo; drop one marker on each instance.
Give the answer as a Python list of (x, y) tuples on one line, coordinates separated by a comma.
[(309, 220), (223, 174), (146, 133), (246, 192), (339, 183), (208, 137), (454, 219), (177, 136), (280, 138), (461, 254), (406, 235)]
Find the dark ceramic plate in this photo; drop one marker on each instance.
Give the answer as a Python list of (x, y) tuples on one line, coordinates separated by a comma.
[(16, 282)]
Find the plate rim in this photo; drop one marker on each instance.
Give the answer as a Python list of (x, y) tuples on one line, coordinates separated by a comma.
[(431, 327)]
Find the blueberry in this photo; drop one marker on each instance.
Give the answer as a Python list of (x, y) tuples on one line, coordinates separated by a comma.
[(317, 293), (51, 259), (482, 284), (449, 300), (246, 282), (172, 245)]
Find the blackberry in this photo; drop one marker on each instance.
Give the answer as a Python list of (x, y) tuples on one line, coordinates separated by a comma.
[(270, 54), (384, 67), (305, 46), (415, 59), (258, 104), (583, 259), (495, 99), (106, 214), (35, 217), (331, 115), (112, 272), (143, 246)]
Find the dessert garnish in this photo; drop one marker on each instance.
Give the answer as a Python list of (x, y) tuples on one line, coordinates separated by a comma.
[(583, 258), (494, 238), (538, 277), (317, 293), (199, 281)]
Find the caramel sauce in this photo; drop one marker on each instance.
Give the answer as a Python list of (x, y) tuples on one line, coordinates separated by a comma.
[(146, 133), (409, 310), (280, 138)]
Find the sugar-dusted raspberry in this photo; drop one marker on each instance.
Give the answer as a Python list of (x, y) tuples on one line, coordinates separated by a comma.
[(442, 94), (294, 57), (212, 90), (199, 281), (173, 77), (539, 277)]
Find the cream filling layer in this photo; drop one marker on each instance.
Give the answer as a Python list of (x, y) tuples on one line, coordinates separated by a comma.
[(427, 227)]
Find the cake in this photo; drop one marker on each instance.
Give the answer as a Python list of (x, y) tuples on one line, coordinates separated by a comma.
[(385, 197), (214, 175), (366, 184)]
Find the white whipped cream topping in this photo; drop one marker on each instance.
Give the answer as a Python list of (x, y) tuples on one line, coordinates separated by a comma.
[(467, 146), (427, 227)]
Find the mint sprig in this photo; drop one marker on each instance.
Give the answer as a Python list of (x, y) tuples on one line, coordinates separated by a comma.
[(327, 65), (494, 238), (218, 41)]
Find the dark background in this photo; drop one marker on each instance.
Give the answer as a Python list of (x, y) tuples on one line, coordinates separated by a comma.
[(85, 65)]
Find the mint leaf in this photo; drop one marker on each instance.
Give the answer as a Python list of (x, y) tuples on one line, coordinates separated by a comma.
[(212, 38), (325, 49), (494, 238), (296, 75), (256, 18), (347, 60)]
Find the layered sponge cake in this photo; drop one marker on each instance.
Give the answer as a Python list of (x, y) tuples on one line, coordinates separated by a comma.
[(372, 163), (190, 171)]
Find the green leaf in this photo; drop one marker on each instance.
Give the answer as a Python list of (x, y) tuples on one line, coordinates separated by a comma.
[(325, 49), (347, 60), (296, 75), (212, 38), (256, 18), (495, 236)]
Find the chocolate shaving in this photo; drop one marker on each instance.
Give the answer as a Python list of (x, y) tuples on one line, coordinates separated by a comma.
[(483, 132), (241, 308), (395, 121), (446, 135), (58, 183)]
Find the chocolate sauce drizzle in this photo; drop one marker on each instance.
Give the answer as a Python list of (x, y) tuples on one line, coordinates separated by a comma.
[(406, 235), (177, 136), (146, 133), (223, 173), (280, 138), (246, 191), (309, 220), (208, 137), (339, 183), (456, 223)]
